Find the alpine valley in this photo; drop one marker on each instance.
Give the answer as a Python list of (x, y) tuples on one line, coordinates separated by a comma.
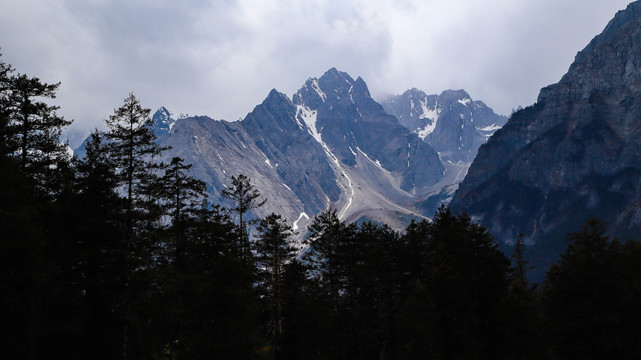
[(332, 145)]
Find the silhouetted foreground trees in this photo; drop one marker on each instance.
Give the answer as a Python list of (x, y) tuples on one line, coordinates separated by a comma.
[(118, 255)]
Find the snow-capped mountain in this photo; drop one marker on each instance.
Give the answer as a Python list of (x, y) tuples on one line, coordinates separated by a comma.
[(331, 145), (452, 123)]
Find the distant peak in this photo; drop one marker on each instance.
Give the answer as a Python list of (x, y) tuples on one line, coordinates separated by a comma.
[(163, 110), (414, 92), (275, 95), (455, 95), (273, 92), (331, 71), (334, 74), (163, 120), (359, 87)]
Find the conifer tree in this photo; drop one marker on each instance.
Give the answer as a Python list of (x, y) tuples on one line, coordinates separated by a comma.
[(31, 128), (183, 195), (31, 259), (307, 325), (373, 272), (328, 238), (99, 236), (520, 315), (331, 255), (273, 251), (245, 197), (6, 138), (521, 264), (133, 149)]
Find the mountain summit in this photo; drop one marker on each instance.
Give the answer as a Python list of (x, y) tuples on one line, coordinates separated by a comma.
[(452, 123)]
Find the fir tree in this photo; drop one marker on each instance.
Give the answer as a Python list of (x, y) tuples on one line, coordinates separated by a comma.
[(181, 198), (327, 238), (245, 198), (32, 127), (274, 250), (331, 255), (521, 264), (102, 253), (133, 150), (183, 195), (6, 137)]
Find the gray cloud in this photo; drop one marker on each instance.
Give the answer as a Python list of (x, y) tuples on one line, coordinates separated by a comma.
[(221, 58)]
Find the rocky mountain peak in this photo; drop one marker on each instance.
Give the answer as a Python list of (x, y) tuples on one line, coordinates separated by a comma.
[(333, 75), (455, 95), (276, 112), (162, 119), (275, 95), (452, 123), (624, 18), (359, 86), (162, 111), (162, 122), (414, 92), (351, 123), (335, 84)]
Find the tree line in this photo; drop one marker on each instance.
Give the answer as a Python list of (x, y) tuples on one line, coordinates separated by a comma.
[(119, 255)]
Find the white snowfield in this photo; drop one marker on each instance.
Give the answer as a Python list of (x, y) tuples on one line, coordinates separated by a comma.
[(430, 114)]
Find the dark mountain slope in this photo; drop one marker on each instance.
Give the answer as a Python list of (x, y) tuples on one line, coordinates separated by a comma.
[(574, 154)]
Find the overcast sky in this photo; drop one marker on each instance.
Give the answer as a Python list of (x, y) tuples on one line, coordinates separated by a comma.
[(221, 58)]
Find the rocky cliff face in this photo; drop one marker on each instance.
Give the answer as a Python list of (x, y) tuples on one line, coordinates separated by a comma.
[(574, 154), (289, 148), (452, 123)]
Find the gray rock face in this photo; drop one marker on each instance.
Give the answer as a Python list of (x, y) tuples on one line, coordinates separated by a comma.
[(574, 154), (452, 123), (298, 158), (331, 145), (219, 150)]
